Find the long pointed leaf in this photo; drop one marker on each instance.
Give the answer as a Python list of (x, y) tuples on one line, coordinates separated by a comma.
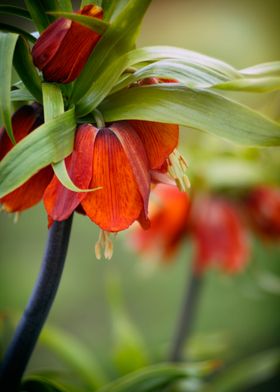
[(94, 24), (119, 37), (58, 5), (38, 14), (17, 30), (157, 377), (12, 10), (49, 143), (256, 85), (203, 110), (26, 70), (7, 47), (76, 355), (103, 83), (266, 69), (54, 106)]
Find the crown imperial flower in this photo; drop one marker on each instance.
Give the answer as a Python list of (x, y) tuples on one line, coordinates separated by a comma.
[(65, 46), (213, 223), (119, 160), (263, 208)]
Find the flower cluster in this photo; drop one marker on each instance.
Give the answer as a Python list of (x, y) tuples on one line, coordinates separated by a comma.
[(218, 227), (118, 160)]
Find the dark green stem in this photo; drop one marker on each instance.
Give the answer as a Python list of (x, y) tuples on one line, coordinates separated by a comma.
[(36, 312), (186, 317)]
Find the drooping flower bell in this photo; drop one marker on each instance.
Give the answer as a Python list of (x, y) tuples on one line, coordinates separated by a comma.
[(24, 121), (65, 46), (169, 220), (219, 235), (263, 209), (120, 160), (214, 225)]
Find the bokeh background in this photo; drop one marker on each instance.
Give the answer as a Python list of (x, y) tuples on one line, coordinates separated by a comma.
[(238, 315)]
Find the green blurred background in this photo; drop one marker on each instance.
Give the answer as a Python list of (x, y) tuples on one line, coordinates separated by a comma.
[(239, 314)]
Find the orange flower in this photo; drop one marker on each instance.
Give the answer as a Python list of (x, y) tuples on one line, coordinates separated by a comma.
[(65, 46), (263, 208), (25, 120), (119, 159), (169, 221), (219, 235), (214, 225)]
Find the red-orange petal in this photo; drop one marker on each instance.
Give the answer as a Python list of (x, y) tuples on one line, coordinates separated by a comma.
[(159, 140), (169, 218), (28, 194), (59, 201), (263, 209), (219, 235), (118, 155), (65, 46), (24, 120), (49, 42)]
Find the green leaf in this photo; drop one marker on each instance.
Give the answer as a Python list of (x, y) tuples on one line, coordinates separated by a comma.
[(262, 70), (190, 65), (26, 70), (53, 101), (58, 5), (21, 94), (41, 384), (129, 350), (49, 143), (54, 106), (257, 85), (246, 373), (194, 76), (119, 37), (101, 87), (38, 14), (156, 377), (12, 10), (17, 30), (94, 24), (152, 53), (112, 8), (86, 2), (75, 355), (7, 47), (63, 176), (203, 110)]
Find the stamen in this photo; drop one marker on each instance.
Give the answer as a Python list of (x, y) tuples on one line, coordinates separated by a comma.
[(177, 169), (16, 217), (104, 242)]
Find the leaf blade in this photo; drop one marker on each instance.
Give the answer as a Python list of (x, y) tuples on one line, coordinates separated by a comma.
[(119, 37), (26, 70), (49, 143), (7, 47), (94, 24), (203, 110)]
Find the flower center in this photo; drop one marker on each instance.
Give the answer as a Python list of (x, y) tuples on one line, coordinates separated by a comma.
[(105, 244), (177, 169)]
